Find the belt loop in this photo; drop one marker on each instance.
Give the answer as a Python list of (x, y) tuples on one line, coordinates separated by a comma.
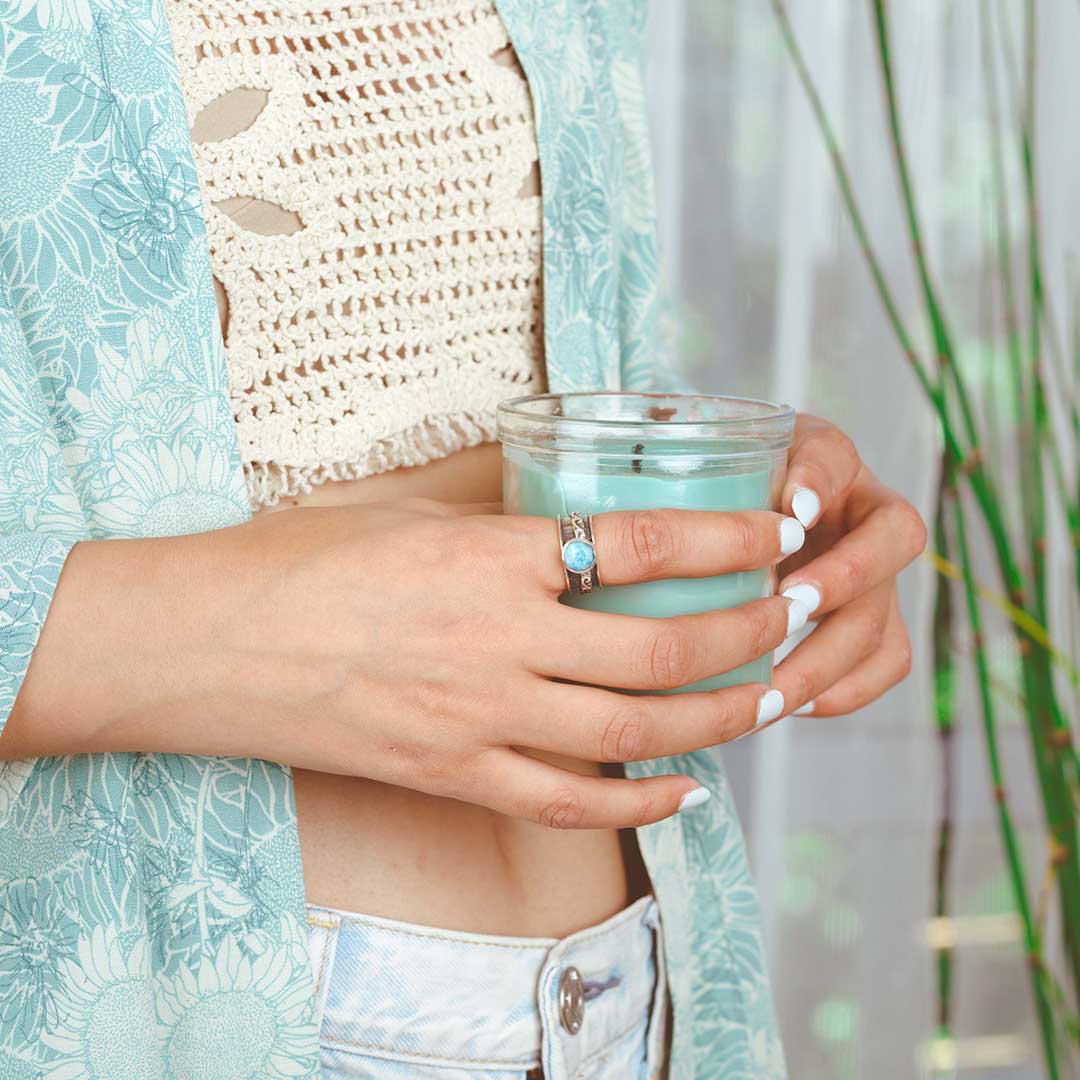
[(656, 1045), (323, 928), (651, 917)]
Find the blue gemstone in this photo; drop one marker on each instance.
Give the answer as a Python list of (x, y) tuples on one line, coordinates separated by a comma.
[(579, 556)]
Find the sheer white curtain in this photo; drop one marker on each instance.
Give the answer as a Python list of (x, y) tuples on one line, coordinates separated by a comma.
[(775, 300)]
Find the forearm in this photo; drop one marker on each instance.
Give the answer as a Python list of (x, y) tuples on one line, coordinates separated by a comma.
[(135, 652)]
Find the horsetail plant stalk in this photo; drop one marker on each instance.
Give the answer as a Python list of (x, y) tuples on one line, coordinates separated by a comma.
[(944, 715), (974, 477)]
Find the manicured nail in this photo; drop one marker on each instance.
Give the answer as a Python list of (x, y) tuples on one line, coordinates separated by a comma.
[(694, 797), (792, 536), (807, 595), (806, 506), (769, 707), (797, 614), (804, 710)]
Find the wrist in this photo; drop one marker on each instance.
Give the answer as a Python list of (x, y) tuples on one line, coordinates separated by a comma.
[(258, 672)]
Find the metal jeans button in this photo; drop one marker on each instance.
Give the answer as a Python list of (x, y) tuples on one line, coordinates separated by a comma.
[(571, 1000)]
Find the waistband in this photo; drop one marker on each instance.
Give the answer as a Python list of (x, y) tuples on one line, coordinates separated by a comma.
[(421, 994)]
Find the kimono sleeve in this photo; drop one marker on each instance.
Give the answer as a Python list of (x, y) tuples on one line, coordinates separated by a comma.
[(40, 517)]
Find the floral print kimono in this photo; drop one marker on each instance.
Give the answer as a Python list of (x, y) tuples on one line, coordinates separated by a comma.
[(152, 906)]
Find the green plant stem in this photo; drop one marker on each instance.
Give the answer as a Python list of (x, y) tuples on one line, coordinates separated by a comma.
[(1033, 480), (1054, 785), (1075, 538), (1048, 729), (1004, 242), (847, 194), (943, 343), (981, 481), (1034, 477), (1024, 434), (1010, 842), (1045, 431), (944, 716), (1046, 715)]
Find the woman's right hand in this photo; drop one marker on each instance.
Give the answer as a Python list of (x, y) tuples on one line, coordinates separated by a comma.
[(414, 643)]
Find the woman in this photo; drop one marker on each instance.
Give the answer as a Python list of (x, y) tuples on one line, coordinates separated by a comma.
[(468, 904)]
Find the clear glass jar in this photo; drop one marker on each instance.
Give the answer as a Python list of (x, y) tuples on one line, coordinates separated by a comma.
[(597, 452)]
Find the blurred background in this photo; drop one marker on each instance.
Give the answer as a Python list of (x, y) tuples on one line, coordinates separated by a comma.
[(774, 300)]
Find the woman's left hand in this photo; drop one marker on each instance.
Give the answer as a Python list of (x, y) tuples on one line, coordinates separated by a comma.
[(860, 535)]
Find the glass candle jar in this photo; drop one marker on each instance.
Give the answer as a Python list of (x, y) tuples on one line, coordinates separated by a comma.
[(597, 452)]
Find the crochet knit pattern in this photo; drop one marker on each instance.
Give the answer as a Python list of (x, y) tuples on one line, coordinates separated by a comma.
[(374, 223)]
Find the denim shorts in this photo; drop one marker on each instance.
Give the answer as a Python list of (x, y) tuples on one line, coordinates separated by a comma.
[(403, 1002)]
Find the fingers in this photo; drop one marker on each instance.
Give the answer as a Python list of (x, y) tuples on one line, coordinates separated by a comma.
[(646, 545), (835, 649), (875, 551), (822, 463), (560, 799), (590, 724), (659, 654), (881, 671)]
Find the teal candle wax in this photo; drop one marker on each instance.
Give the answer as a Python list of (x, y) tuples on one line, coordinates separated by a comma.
[(551, 492), (623, 459)]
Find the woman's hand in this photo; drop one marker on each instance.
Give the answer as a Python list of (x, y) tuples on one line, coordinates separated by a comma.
[(861, 534), (437, 653), (414, 643)]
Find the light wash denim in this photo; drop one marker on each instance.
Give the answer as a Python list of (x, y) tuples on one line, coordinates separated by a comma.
[(403, 1002)]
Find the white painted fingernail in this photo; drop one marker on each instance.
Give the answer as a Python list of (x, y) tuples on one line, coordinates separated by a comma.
[(797, 614), (804, 710), (792, 536), (807, 595), (694, 797), (769, 707), (806, 506)]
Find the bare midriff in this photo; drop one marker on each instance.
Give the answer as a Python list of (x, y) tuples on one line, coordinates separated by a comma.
[(402, 854)]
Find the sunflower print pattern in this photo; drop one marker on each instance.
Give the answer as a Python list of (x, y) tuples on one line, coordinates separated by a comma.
[(152, 906)]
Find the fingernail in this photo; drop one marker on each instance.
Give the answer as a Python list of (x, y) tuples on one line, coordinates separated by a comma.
[(807, 595), (792, 536), (694, 797), (806, 506), (769, 707), (804, 710), (797, 614)]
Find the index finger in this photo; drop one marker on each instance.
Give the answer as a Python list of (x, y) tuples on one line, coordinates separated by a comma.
[(822, 463)]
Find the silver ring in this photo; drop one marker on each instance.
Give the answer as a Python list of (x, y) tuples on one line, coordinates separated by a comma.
[(578, 553)]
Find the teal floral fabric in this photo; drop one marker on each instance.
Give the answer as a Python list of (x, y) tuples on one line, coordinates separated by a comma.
[(152, 906)]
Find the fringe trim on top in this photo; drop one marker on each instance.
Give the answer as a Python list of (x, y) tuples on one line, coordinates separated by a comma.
[(433, 438)]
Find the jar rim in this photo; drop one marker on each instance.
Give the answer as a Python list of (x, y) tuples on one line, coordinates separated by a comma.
[(541, 418), (757, 410)]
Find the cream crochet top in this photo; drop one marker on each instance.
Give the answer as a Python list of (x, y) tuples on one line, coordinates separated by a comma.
[(369, 170)]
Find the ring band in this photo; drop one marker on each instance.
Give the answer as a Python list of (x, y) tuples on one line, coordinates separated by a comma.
[(578, 553)]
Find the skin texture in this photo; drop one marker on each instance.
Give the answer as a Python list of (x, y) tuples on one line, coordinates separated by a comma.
[(404, 656)]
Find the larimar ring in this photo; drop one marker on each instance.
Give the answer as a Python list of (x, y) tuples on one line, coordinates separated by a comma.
[(578, 553)]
